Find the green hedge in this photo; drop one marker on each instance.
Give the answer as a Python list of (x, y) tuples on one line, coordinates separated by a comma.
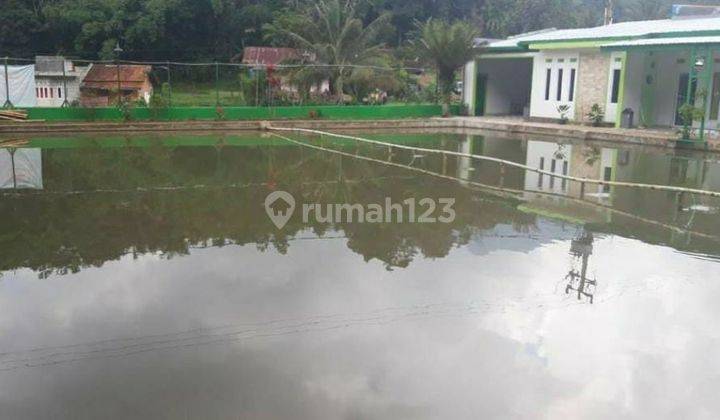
[(241, 113)]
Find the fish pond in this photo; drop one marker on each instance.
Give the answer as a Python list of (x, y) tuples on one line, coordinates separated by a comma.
[(141, 277)]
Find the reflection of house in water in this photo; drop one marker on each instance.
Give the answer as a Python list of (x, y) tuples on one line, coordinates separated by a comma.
[(566, 159), (21, 169), (550, 157), (490, 172), (465, 164), (685, 210), (581, 248)]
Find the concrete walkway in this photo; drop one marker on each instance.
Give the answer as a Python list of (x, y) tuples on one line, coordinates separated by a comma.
[(508, 125), (657, 137)]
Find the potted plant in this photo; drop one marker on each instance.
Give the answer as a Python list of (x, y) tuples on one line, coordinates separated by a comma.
[(596, 115), (563, 110), (688, 114)]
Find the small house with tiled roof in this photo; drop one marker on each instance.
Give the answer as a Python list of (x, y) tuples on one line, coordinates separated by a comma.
[(101, 84)]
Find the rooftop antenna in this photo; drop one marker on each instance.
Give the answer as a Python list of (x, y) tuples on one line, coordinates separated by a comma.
[(609, 12)]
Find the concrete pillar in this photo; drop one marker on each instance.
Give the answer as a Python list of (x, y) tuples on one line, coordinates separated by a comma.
[(592, 84)]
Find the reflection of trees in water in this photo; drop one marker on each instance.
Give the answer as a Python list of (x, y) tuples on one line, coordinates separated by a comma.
[(219, 202)]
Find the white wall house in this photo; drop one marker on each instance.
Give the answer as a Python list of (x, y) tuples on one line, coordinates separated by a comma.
[(55, 87), (651, 67)]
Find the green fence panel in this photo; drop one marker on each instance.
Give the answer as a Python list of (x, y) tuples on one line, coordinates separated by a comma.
[(240, 113)]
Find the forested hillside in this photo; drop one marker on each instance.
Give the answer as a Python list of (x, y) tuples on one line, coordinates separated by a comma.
[(218, 29)]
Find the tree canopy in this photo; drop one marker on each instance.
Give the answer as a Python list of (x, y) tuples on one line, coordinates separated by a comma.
[(193, 30), (448, 46), (334, 33)]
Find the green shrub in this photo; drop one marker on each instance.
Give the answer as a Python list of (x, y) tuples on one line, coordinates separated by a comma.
[(220, 114), (688, 114), (126, 108)]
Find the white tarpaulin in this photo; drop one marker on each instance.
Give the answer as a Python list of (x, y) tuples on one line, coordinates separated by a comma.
[(21, 168), (21, 80)]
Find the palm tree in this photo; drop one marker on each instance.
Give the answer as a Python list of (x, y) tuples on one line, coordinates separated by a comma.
[(449, 47), (332, 33)]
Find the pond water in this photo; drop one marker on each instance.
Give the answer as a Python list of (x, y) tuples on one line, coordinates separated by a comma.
[(140, 278)]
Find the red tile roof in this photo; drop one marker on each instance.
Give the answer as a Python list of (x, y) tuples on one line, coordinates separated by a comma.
[(105, 76), (268, 56)]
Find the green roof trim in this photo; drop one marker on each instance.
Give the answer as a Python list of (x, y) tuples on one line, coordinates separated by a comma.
[(666, 44), (505, 50), (564, 45), (561, 42), (596, 42), (687, 34), (681, 47)]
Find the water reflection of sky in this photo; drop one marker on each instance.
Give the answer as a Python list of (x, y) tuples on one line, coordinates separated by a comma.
[(334, 327), (466, 336)]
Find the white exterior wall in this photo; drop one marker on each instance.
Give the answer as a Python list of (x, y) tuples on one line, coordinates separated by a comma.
[(469, 86), (634, 80), (611, 109), (49, 91), (666, 86), (664, 70), (541, 107), (74, 85), (53, 89)]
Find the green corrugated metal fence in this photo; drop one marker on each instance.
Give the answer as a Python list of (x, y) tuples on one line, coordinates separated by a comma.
[(240, 113)]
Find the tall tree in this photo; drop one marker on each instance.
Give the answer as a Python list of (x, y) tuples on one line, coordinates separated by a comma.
[(21, 27), (449, 46), (333, 33)]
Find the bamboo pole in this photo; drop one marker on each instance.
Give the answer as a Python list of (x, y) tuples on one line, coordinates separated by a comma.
[(504, 192), (502, 161)]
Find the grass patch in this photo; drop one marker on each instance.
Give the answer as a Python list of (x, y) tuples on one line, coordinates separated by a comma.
[(196, 94)]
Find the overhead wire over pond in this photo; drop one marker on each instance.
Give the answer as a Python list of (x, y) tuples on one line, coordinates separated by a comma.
[(502, 162)]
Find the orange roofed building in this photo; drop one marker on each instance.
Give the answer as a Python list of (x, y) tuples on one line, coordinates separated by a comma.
[(268, 56), (100, 86)]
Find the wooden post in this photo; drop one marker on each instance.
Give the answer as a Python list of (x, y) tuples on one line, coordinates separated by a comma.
[(217, 83), (119, 95), (12, 163), (169, 85), (65, 103), (8, 103), (691, 76), (257, 87), (708, 74)]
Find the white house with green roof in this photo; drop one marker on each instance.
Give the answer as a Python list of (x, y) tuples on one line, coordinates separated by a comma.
[(650, 67)]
